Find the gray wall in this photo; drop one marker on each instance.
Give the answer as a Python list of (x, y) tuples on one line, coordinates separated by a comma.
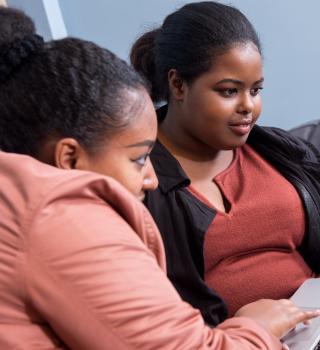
[(289, 30), (46, 14)]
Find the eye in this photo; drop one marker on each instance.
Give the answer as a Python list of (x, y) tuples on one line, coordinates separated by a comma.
[(141, 161), (228, 92), (255, 91)]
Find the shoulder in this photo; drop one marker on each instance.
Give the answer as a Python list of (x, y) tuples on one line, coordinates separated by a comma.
[(30, 184), (40, 198), (276, 140)]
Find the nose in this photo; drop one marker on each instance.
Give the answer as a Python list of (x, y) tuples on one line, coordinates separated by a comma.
[(150, 181), (246, 104)]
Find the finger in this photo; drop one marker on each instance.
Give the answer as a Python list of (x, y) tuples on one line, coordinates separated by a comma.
[(307, 322), (302, 316), (285, 347), (313, 313)]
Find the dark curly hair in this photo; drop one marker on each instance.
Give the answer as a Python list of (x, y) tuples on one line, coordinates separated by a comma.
[(189, 40), (64, 88)]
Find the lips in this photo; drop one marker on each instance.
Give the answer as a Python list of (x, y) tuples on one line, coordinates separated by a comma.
[(241, 128)]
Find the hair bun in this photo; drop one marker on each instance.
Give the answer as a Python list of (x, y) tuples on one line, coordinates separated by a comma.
[(13, 54)]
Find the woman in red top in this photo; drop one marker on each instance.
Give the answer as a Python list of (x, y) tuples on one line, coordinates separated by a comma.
[(238, 205)]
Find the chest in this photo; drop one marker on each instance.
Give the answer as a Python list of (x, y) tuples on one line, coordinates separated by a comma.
[(261, 209)]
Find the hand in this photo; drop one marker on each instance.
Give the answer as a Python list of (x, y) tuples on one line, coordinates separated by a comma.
[(276, 316)]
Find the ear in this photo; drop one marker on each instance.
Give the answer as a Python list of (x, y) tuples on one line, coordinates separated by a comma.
[(69, 154), (176, 85)]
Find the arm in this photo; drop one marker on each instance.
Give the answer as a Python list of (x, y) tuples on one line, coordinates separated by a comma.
[(95, 282)]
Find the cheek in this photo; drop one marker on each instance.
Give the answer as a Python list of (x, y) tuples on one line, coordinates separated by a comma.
[(217, 107), (113, 166), (131, 178), (210, 110), (257, 108), (132, 184), (121, 168)]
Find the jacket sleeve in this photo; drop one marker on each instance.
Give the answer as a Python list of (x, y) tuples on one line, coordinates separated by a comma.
[(90, 276)]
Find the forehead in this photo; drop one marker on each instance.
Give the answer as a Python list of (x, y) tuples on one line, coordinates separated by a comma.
[(240, 60), (141, 117)]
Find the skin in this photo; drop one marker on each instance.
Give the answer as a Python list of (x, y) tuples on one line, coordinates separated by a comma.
[(124, 156), (277, 316), (208, 118)]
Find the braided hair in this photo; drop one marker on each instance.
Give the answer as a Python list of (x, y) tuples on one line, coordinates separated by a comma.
[(63, 88)]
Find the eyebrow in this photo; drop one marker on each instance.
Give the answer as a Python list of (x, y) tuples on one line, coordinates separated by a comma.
[(238, 82), (146, 143)]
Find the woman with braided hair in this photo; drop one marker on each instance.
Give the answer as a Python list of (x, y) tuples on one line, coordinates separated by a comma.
[(82, 263), (62, 100)]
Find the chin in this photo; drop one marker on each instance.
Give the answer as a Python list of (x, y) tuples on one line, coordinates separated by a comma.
[(232, 145), (239, 141)]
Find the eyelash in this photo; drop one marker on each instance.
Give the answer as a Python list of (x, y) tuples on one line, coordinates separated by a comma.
[(141, 161), (232, 91)]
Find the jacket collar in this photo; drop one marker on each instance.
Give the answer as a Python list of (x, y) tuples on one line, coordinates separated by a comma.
[(169, 171)]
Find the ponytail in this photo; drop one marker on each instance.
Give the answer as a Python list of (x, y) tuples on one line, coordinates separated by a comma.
[(142, 58), (14, 54)]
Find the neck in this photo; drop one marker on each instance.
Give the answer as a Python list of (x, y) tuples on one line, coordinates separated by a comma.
[(181, 143), (195, 157)]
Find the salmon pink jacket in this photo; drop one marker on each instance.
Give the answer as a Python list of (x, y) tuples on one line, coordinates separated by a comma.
[(82, 266)]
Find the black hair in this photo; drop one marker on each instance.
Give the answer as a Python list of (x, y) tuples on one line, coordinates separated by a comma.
[(189, 40), (63, 88)]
